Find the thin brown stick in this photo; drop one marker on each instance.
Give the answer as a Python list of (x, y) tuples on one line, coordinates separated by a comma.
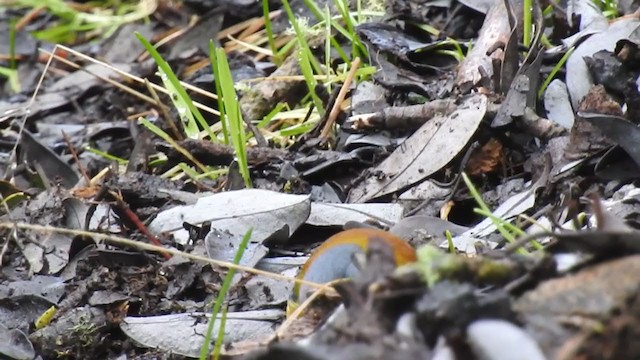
[(234, 29), (74, 154), (103, 78), (170, 37), (252, 28), (141, 80), (149, 247), (333, 115), (133, 217), (29, 16)]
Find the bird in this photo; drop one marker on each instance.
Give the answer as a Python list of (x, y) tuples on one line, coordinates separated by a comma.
[(336, 258)]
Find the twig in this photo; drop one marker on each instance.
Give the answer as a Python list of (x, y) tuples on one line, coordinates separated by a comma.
[(136, 221), (149, 247), (401, 117), (74, 154), (134, 78), (335, 110)]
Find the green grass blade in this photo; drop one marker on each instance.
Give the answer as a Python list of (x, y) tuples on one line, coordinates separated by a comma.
[(356, 49), (300, 35), (554, 71), (12, 46), (298, 129), (350, 35), (164, 136), (509, 231), (269, 30), (173, 79), (267, 119), (188, 170), (218, 345), (189, 123), (12, 76), (156, 130), (526, 23), (287, 48), (213, 174), (327, 47), (338, 49), (204, 352), (233, 114), (499, 223), (449, 237), (216, 76), (307, 72), (106, 155)]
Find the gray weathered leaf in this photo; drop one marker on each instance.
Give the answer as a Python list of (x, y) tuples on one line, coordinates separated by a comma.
[(590, 16), (15, 344), (430, 148), (620, 130), (51, 288), (186, 335), (338, 214), (481, 6), (578, 78), (264, 292), (236, 211)]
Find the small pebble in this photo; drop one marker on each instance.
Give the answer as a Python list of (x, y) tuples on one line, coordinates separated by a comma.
[(501, 340), (443, 351)]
